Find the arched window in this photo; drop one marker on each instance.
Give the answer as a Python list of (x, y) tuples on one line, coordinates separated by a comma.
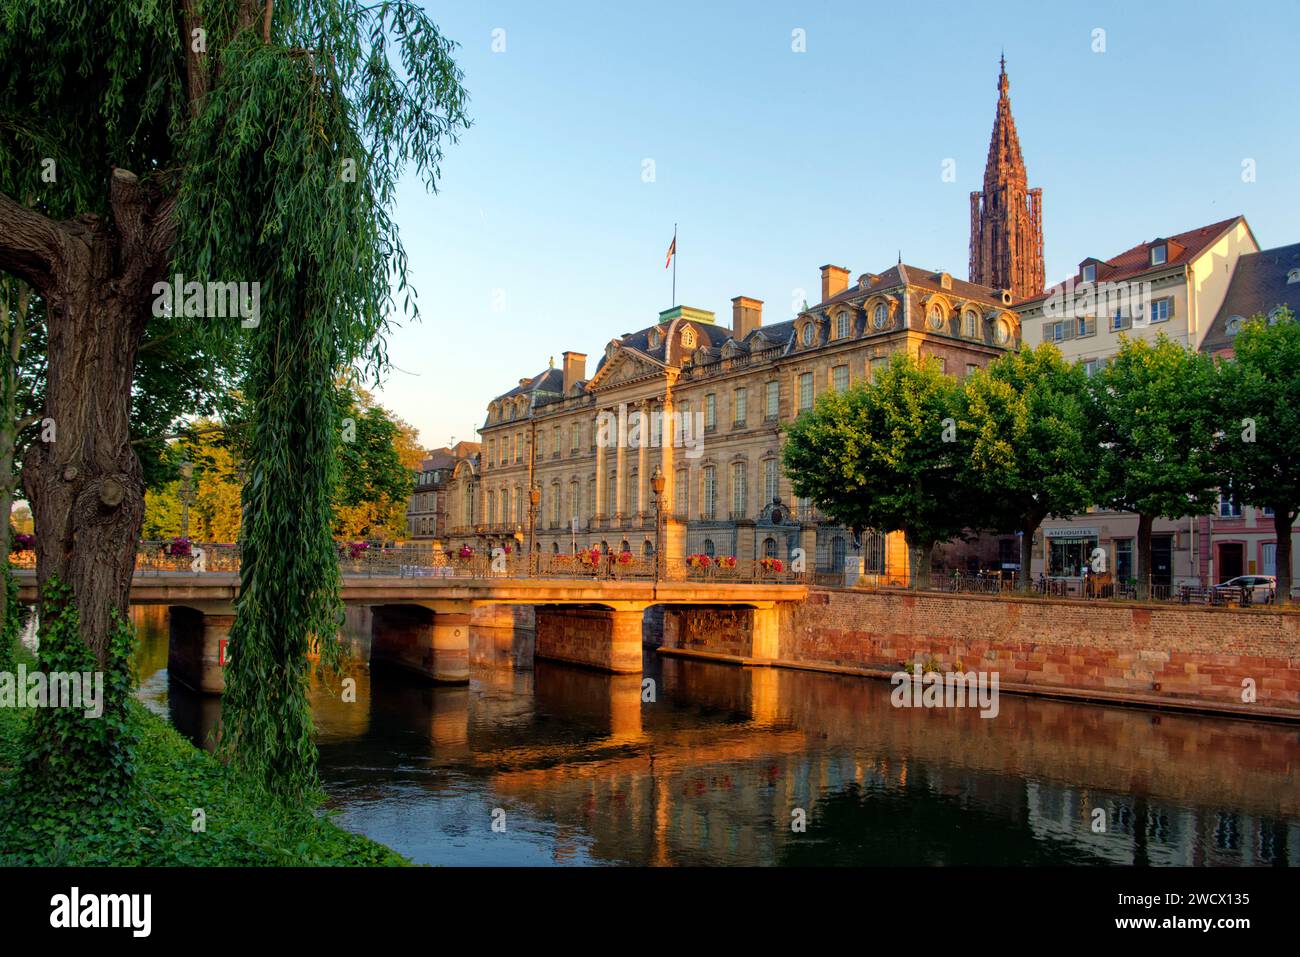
[(842, 325), (808, 334), (708, 547), (555, 548), (648, 548), (936, 316), (970, 325), (769, 547), (624, 546)]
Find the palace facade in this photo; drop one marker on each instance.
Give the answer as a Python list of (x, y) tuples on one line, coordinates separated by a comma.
[(736, 385)]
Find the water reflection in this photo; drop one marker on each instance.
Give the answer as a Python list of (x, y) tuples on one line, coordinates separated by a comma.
[(712, 770)]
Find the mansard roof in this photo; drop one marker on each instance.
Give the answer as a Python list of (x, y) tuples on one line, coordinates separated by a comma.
[(1259, 285)]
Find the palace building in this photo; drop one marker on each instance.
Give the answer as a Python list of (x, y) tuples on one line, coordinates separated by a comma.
[(734, 386)]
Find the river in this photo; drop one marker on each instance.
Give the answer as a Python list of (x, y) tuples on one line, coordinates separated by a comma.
[(701, 763)]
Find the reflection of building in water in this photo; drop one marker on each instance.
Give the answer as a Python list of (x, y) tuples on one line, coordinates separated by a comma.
[(1139, 830)]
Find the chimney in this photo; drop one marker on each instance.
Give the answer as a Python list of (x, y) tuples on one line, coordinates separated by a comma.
[(835, 279), (575, 369), (746, 316)]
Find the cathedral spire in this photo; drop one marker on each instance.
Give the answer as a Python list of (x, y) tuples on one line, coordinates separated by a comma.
[(1006, 239)]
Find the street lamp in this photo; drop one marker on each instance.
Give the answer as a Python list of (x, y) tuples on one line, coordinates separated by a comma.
[(657, 482), (534, 497)]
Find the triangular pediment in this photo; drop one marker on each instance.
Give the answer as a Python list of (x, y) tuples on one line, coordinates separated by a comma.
[(626, 365)]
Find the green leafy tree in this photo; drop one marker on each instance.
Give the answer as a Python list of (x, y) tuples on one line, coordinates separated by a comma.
[(1259, 446), (1153, 411), (1032, 447), (888, 456), (229, 141), (375, 469)]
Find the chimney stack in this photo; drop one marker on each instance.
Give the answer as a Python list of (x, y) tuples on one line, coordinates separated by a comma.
[(835, 279), (575, 369), (746, 316)]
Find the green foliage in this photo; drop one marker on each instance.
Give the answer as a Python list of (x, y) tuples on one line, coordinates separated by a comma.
[(884, 455), (267, 198), (374, 482), (1155, 419), (153, 824), (1032, 446), (12, 625), (70, 758), (1259, 446)]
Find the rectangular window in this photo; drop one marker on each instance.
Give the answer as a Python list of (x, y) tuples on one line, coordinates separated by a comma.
[(710, 412), (490, 449), (773, 401), (971, 367), (840, 378), (805, 391), (1228, 507), (770, 479), (1090, 367), (1087, 326), (1089, 273), (842, 326), (1161, 310), (682, 493), (739, 490), (1268, 556), (555, 448), (739, 407), (1056, 332), (1123, 559), (1068, 556), (709, 504), (878, 366), (611, 494), (1159, 256), (575, 437)]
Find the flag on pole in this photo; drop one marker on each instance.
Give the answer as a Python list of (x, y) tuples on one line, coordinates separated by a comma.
[(672, 251)]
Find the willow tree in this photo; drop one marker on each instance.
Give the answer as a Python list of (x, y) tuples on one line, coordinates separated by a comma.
[(230, 142)]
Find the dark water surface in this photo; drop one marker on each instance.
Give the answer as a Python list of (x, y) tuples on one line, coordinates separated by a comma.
[(581, 771)]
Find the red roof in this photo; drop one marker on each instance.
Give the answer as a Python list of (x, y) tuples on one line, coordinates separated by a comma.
[(1183, 248)]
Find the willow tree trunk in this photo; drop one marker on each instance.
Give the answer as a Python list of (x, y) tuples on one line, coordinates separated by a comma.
[(83, 478)]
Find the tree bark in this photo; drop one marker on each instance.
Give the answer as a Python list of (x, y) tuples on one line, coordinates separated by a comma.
[(1143, 557), (1282, 522), (86, 486)]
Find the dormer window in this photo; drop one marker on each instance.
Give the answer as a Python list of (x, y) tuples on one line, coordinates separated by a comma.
[(936, 316), (1234, 324), (843, 323), (880, 316), (809, 334), (688, 338), (1088, 272), (653, 339), (1292, 275), (1159, 255)]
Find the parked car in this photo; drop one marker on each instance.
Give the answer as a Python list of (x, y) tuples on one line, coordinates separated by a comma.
[(1262, 589)]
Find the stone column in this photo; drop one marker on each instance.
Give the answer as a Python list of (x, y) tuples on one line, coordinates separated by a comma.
[(598, 506), (642, 458), (435, 645)]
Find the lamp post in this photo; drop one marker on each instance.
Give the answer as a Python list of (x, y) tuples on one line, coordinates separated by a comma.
[(657, 483), (534, 497)]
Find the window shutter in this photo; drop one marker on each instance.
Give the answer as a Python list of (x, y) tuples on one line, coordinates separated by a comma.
[(1090, 326), (1069, 328)]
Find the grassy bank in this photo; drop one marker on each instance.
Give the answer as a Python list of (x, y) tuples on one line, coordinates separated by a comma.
[(156, 826)]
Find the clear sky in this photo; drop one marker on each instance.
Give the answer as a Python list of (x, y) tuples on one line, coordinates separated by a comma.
[(545, 235)]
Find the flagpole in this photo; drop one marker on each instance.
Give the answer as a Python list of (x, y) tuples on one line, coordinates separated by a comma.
[(674, 264)]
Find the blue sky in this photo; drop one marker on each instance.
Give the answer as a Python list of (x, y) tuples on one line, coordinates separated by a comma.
[(544, 235)]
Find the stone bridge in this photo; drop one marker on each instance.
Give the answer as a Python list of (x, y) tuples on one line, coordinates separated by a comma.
[(422, 623)]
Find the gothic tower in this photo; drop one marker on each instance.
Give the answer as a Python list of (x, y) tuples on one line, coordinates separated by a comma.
[(1006, 219)]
